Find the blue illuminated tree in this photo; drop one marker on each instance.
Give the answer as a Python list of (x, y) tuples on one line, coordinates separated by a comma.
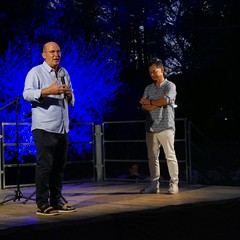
[(94, 69), (94, 64), (95, 73)]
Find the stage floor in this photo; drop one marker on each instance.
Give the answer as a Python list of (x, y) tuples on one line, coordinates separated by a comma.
[(98, 199)]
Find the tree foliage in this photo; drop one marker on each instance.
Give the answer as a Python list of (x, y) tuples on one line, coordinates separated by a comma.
[(196, 39)]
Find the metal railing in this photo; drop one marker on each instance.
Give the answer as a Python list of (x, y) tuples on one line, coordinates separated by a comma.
[(124, 144), (19, 154), (96, 152)]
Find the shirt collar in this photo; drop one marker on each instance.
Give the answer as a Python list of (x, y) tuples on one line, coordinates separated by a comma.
[(49, 69)]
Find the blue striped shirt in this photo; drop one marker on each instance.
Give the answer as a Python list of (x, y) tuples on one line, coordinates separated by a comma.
[(161, 118), (49, 113)]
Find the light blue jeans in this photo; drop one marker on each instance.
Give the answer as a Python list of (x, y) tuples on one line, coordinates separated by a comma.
[(154, 142)]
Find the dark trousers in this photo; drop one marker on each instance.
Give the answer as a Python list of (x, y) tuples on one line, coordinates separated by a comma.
[(51, 156)]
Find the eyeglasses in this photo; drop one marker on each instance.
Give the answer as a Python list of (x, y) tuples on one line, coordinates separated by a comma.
[(154, 72), (58, 52)]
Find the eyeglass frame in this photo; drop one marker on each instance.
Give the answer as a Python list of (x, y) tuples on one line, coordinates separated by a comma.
[(51, 52)]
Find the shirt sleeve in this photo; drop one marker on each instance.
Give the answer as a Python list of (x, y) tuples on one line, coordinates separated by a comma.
[(170, 93), (32, 91)]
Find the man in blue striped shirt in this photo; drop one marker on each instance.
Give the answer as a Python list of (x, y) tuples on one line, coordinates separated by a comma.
[(158, 102), (49, 90)]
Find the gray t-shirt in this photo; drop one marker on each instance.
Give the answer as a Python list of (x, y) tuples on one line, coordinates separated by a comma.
[(161, 118)]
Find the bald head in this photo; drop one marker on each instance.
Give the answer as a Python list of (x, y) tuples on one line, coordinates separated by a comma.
[(48, 45), (52, 54)]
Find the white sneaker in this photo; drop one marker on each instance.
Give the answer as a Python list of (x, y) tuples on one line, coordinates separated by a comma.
[(150, 189), (173, 188)]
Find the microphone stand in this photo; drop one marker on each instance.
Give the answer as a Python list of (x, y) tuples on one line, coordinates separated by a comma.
[(33, 193), (18, 194)]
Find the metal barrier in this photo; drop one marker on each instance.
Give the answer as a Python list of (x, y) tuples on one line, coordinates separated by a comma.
[(1, 172), (20, 155), (124, 144), (96, 152)]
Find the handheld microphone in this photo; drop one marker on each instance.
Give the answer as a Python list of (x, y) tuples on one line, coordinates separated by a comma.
[(62, 80), (61, 75)]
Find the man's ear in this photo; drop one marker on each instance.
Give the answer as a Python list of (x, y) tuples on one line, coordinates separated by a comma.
[(44, 55)]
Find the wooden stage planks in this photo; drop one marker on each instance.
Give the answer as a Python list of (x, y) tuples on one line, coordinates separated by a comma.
[(94, 199)]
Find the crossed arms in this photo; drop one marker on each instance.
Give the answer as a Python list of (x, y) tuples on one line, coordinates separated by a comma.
[(149, 105)]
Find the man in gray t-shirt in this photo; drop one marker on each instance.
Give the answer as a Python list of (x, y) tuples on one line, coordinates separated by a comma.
[(158, 102)]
